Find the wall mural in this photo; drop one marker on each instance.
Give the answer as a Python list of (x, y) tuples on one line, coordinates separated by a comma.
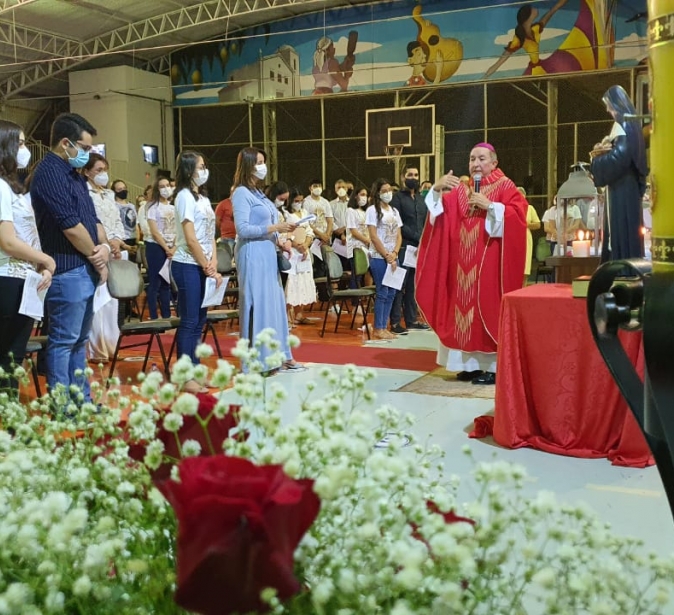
[(409, 44)]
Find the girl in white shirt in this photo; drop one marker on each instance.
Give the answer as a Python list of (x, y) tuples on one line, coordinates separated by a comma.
[(383, 223), (20, 251), (160, 244), (195, 258)]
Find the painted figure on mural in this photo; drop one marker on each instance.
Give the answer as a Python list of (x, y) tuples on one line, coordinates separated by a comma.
[(589, 32), (436, 58), (417, 59), (327, 71), (619, 163)]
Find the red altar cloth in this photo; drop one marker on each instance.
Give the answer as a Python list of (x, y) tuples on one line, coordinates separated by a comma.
[(553, 390)]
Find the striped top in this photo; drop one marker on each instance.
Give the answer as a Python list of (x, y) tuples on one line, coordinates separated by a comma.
[(61, 201)]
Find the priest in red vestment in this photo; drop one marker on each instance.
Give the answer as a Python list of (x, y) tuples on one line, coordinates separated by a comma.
[(471, 253)]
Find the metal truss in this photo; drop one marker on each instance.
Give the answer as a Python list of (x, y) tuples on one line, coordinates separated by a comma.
[(64, 53), (8, 5)]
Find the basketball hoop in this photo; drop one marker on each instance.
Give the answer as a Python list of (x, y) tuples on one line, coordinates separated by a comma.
[(394, 153)]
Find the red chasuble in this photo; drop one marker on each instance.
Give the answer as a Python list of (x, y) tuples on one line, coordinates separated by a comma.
[(462, 272)]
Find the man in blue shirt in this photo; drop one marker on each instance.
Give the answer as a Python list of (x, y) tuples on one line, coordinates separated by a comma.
[(71, 233)]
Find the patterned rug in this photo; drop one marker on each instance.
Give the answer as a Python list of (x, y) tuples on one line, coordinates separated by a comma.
[(444, 383)]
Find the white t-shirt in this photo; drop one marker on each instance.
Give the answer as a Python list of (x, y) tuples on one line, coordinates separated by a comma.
[(17, 209), (164, 216), (142, 221), (201, 214), (355, 219), (321, 209), (387, 227), (339, 211)]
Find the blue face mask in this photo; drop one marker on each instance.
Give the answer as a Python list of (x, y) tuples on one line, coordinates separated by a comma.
[(80, 160)]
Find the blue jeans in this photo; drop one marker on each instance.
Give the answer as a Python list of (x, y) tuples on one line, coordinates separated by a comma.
[(70, 303), (384, 298), (191, 283), (157, 286)]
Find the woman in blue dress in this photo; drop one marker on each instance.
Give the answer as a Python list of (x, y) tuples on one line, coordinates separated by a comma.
[(258, 224)]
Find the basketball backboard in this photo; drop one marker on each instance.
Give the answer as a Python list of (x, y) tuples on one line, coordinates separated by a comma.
[(411, 128)]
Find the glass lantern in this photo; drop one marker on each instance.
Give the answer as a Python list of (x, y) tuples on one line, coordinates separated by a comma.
[(578, 199)]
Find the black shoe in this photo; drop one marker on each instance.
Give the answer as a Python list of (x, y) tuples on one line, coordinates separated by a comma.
[(469, 376), (421, 326), (486, 378), (398, 330)]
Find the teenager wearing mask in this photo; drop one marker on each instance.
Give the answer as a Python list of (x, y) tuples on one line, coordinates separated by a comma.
[(357, 235), (127, 214), (383, 223), (258, 226), (105, 324), (159, 245), (195, 258), (300, 287), (20, 251)]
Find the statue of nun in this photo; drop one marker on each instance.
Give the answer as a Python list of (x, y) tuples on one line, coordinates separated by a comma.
[(623, 170)]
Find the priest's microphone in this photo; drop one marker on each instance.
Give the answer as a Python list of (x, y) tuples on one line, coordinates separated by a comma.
[(477, 178)]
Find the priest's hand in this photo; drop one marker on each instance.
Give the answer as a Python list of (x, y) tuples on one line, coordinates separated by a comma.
[(477, 199), (447, 182)]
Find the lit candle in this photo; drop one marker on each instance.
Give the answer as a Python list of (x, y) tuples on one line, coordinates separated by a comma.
[(581, 247)]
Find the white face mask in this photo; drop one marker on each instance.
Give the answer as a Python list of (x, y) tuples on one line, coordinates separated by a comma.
[(23, 157), (341, 193), (362, 201), (260, 171), (297, 206), (166, 192), (201, 178), (101, 179), (386, 197), (317, 191), (279, 203)]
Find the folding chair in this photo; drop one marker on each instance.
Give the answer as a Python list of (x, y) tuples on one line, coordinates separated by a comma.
[(125, 282), (35, 344), (213, 317), (334, 273)]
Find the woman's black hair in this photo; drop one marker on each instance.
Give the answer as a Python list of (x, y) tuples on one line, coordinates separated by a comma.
[(295, 191), (9, 148), (277, 188), (353, 198), (522, 15), (186, 166), (374, 196)]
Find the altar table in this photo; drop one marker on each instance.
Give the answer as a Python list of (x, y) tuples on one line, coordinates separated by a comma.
[(553, 390)]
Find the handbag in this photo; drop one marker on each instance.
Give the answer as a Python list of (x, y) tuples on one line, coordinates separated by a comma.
[(282, 262)]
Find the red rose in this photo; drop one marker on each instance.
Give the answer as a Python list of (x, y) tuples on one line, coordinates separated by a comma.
[(238, 527)]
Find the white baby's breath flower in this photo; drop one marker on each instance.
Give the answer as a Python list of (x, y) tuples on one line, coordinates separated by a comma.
[(293, 341), (186, 404), (191, 448), (183, 370), (203, 351), (82, 586), (173, 422), (167, 393)]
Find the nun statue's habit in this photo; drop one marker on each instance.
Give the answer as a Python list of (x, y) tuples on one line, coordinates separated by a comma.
[(623, 170)]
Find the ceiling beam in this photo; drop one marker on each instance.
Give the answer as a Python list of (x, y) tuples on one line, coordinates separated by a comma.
[(9, 5), (75, 54), (40, 41)]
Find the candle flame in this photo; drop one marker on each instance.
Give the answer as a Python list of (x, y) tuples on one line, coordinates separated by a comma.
[(644, 230), (581, 235)]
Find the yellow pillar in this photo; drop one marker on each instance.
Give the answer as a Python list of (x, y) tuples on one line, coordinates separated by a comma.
[(661, 55)]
